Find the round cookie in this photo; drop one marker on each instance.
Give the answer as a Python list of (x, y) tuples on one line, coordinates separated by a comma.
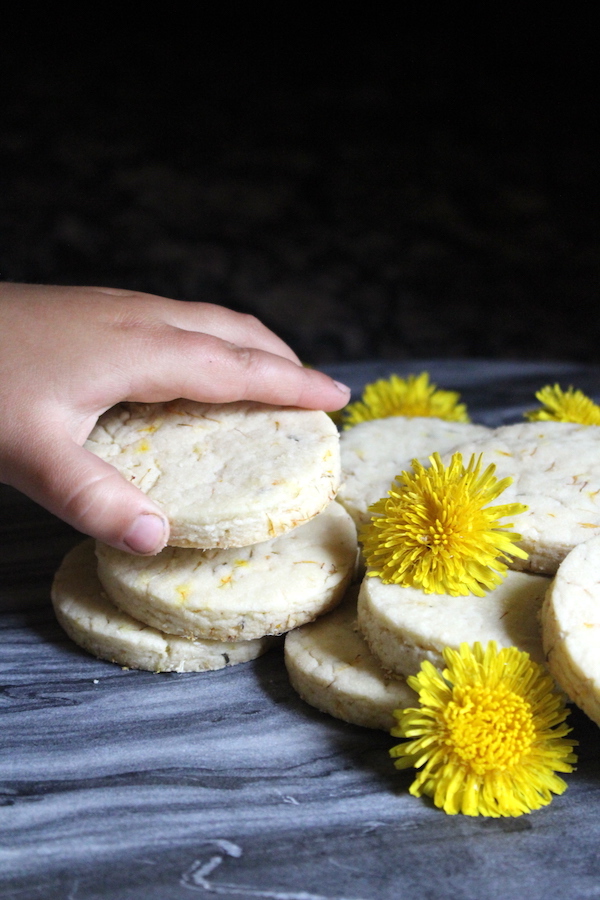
[(94, 623), (374, 453), (241, 593), (571, 627), (556, 472), (404, 626), (330, 665), (225, 475)]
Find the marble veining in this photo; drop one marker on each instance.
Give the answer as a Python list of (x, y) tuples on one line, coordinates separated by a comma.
[(122, 784)]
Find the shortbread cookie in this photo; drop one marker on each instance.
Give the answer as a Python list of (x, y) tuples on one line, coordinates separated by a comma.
[(94, 623), (374, 453), (242, 593), (332, 668), (556, 473), (571, 627), (404, 626), (226, 475)]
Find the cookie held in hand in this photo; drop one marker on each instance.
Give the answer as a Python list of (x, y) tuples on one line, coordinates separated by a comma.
[(225, 475)]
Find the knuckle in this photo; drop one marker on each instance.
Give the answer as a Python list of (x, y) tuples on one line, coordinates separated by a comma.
[(89, 499), (262, 376), (138, 322), (249, 362), (252, 321), (250, 325)]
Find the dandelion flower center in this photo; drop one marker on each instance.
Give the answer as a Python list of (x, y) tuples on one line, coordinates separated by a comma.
[(489, 735), (436, 530), (488, 728)]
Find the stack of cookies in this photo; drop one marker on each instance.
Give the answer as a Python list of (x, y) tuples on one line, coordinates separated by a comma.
[(257, 544), (386, 635)]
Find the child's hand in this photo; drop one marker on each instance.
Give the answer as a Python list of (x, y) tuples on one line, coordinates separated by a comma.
[(67, 354)]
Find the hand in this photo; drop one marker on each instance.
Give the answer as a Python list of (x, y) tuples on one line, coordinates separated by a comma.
[(67, 354)]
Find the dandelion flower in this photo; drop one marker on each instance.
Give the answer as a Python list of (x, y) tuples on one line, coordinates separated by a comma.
[(564, 406), (412, 396), (436, 531), (489, 735)]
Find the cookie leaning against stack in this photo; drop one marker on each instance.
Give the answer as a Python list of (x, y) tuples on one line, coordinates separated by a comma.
[(332, 668), (278, 471), (571, 625)]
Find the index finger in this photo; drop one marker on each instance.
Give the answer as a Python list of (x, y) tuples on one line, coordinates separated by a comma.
[(205, 368), (242, 329)]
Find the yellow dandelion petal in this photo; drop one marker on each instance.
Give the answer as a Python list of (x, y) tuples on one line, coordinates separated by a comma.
[(493, 738), (564, 406), (411, 396), (435, 530)]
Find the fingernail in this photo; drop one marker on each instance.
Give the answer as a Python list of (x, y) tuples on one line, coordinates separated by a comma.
[(147, 534), (342, 387)]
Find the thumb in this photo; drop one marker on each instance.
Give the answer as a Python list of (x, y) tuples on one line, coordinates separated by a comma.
[(93, 497)]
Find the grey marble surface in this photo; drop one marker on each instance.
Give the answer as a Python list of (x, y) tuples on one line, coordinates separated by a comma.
[(124, 784)]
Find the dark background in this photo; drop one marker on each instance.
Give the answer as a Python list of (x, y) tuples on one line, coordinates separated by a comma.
[(379, 186)]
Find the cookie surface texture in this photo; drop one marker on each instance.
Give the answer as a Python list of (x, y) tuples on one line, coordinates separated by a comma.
[(241, 593), (374, 453), (404, 626), (331, 667), (556, 472), (571, 627), (225, 475), (95, 624)]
